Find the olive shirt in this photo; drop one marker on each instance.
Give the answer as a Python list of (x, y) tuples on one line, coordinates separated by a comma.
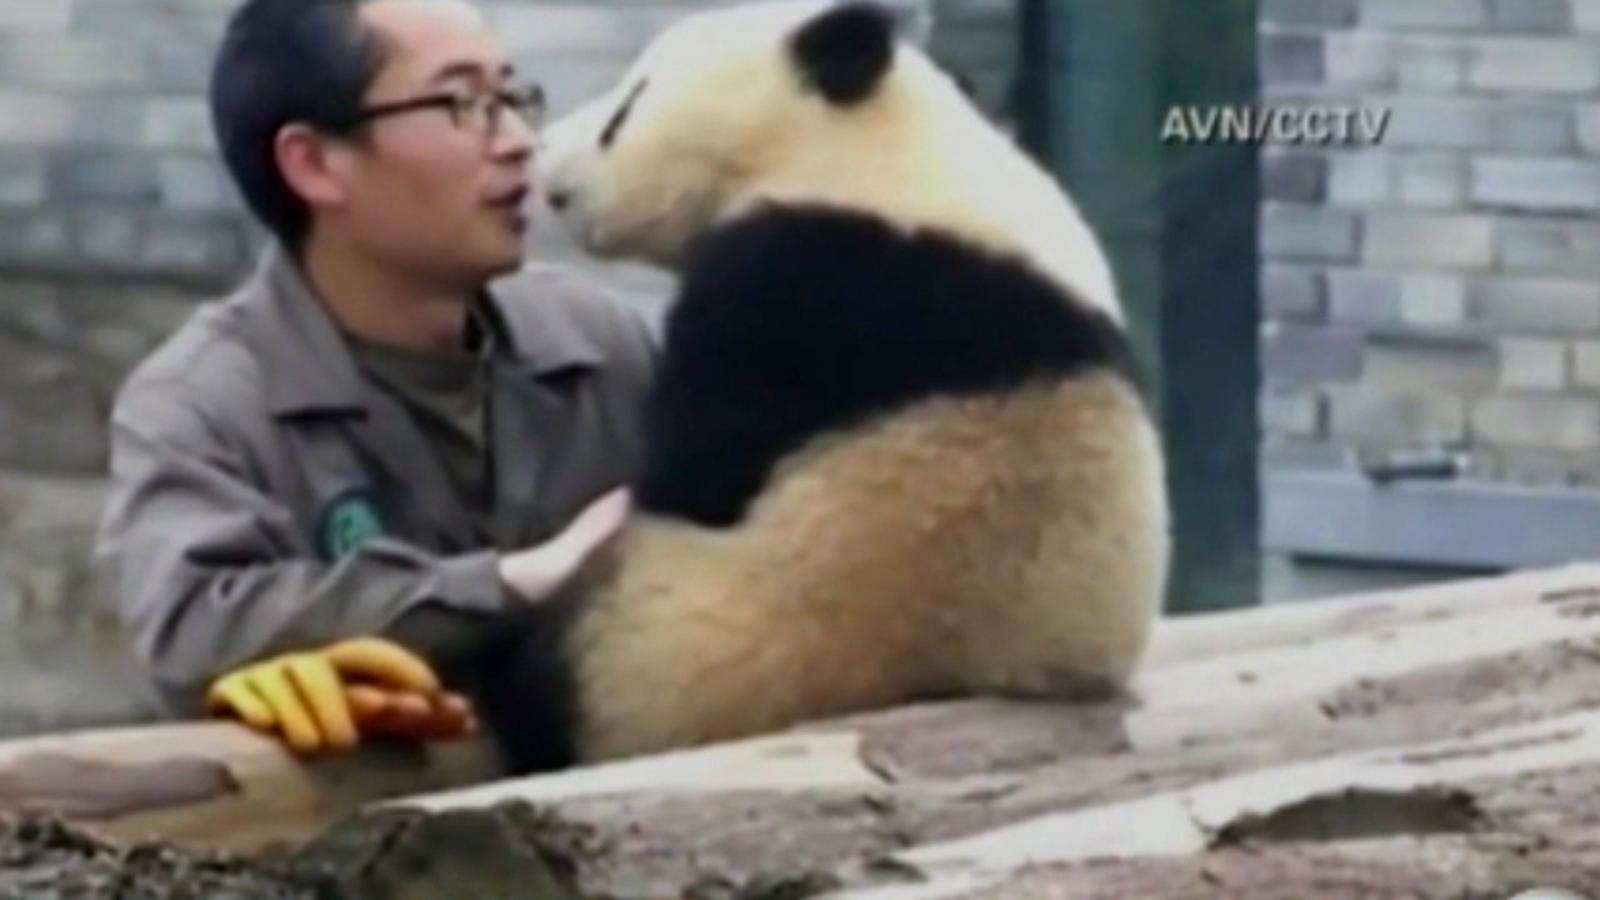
[(446, 394), (267, 495)]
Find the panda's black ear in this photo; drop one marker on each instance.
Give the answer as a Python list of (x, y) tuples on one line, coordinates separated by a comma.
[(844, 51)]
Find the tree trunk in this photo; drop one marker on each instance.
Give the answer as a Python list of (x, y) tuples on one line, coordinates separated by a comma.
[(1432, 742)]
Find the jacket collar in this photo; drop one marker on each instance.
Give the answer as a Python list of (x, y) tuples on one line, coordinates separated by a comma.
[(310, 369)]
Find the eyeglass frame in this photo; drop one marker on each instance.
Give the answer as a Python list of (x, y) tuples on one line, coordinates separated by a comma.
[(527, 100)]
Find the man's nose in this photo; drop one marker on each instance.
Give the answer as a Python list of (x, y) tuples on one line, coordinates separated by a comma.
[(514, 139)]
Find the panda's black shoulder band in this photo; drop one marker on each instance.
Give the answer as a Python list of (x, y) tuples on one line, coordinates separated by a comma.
[(797, 321)]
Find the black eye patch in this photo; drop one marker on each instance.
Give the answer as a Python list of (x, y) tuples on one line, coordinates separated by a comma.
[(609, 133)]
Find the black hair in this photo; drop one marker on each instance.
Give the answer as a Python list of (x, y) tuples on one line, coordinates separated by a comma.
[(284, 61)]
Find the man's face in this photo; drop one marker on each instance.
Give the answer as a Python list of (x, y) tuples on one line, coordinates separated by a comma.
[(428, 190)]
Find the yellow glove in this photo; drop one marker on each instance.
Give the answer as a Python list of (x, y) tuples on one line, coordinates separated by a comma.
[(328, 699)]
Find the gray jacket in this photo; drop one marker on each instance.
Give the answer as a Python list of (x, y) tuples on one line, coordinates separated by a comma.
[(266, 497)]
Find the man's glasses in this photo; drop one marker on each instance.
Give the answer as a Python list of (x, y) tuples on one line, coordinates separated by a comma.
[(479, 113)]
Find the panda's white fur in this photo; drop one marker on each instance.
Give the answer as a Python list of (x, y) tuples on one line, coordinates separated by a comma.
[(721, 125), (1009, 542)]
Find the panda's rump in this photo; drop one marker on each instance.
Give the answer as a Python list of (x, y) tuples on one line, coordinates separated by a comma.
[(1012, 542), (963, 543)]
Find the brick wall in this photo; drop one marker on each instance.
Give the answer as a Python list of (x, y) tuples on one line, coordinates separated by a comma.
[(115, 218), (1442, 288)]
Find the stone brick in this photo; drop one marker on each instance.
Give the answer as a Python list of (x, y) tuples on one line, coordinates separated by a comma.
[(1281, 452), (1298, 353), (1432, 181), (1360, 178), (1422, 364), (1292, 58), (1294, 177), (52, 418), (178, 124), (33, 118), (1362, 297), (1535, 468), (35, 16), (200, 21), (180, 66), (1358, 59), (979, 45), (1586, 15), (1428, 239), (197, 183), (1549, 247), (100, 176), (1291, 411), (1545, 185), (22, 177), (126, 319), (1588, 128), (1430, 300), (31, 310), (71, 62), (1535, 65), (1531, 128), (109, 238), (1586, 364), (1317, 13), (1425, 14), (35, 241), (1533, 364), (579, 28), (1535, 306), (1567, 423), (1292, 232), (961, 13), (107, 123), (193, 247), (1367, 413), (1430, 64), (1480, 123), (1584, 470), (1443, 122), (1540, 16), (1292, 292)]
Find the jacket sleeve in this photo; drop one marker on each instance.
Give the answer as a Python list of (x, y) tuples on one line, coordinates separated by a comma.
[(207, 565)]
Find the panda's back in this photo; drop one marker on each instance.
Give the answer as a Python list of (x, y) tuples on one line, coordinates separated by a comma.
[(797, 322)]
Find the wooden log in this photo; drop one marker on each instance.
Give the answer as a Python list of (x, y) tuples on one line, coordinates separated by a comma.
[(1414, 790), (1278, 687), (1065, 779), (1191, 638), (217, 784), (1313, 695)]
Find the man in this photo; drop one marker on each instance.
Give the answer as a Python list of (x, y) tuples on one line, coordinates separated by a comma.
[(369, 451)]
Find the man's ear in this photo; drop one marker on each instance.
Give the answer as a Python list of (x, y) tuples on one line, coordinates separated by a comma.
[(315, 171), (845, 51)]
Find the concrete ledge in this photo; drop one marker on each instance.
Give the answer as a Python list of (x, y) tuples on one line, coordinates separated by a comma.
[(1457, 523)]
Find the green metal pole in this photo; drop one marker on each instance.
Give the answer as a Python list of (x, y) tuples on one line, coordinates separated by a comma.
[(1179, 221)]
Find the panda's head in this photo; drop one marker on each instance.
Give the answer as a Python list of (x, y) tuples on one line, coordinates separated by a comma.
[(809, 102)]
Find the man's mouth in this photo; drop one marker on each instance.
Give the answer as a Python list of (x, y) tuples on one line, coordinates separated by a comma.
[(511, 204)]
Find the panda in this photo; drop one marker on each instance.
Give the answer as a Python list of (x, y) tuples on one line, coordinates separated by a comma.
[(898, 448)]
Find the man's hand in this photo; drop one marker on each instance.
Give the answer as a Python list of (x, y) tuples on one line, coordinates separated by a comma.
[(328, 699), (542, 570)]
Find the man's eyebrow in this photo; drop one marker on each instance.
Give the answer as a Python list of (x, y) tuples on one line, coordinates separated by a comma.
[(468, 69)]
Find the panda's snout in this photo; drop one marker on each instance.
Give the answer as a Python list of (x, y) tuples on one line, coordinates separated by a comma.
[(558, 198)]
